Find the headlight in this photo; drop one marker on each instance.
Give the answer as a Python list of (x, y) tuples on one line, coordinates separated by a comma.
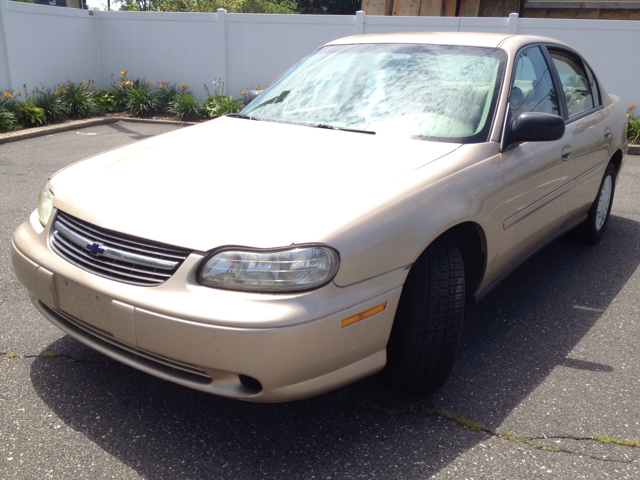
[(282, 270), (45, 204)]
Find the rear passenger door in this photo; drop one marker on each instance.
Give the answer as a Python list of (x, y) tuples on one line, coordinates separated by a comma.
[(586, 123)]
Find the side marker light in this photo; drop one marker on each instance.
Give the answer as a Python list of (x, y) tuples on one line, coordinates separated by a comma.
[(363, 315)]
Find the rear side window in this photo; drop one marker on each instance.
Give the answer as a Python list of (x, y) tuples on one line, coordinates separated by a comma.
[(532, 88), (594, 88), (575, 83)]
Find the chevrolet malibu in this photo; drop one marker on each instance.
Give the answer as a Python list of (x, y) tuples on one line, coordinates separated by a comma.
[(337, 226)]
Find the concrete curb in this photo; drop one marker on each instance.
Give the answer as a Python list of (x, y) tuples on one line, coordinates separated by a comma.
[(76, 124), (634, 150)]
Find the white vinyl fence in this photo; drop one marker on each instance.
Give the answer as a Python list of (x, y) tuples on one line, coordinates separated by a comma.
[(49, 45)]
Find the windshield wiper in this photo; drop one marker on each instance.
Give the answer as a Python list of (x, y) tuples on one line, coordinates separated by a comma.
[(331, 127), (239, 115)]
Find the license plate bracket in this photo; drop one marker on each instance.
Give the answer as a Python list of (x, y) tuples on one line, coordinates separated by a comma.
[(83, 303)]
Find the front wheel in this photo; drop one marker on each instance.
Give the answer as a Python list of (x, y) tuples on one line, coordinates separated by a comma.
[(593, 227), (426, 331)]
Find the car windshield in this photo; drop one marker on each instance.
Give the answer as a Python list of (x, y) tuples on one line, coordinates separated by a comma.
[(443, 93)]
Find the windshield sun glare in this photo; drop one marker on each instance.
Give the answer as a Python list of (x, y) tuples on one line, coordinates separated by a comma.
[(443, 93)]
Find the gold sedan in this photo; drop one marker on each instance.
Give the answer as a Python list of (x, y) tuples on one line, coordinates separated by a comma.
[(338, 225)]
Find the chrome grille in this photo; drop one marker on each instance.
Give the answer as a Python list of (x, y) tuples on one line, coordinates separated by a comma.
[(114, 255)]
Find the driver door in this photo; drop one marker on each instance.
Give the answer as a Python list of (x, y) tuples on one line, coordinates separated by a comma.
[(536, 176)]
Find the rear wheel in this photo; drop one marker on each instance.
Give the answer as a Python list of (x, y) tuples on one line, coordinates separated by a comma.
[(593, 227), (428, 323)]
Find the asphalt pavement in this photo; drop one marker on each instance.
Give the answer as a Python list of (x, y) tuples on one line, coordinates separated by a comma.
[(546, 381)]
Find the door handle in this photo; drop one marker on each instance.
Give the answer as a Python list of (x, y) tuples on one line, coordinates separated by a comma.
[(566, 153), (607, 133)]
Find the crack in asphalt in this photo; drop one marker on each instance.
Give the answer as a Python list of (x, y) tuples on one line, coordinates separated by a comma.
[(477, 426), (12, 356), (530, 442), (415, 409), (624, 443)]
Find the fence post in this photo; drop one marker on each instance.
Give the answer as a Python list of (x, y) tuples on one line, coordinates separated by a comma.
[(513, 23), (360, 22), (96, 22), (222, 44), (5, 44)]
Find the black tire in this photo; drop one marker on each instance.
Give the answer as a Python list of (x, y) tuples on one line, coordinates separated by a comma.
[(592, 229), (426, 331)]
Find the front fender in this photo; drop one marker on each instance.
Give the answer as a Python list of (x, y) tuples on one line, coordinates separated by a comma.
[(399, 224)]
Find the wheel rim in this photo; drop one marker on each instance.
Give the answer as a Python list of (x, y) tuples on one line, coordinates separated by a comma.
[(603, 202)]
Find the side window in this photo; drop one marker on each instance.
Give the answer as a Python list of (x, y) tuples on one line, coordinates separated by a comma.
[(575, 83), (594, 87), (532, 89)]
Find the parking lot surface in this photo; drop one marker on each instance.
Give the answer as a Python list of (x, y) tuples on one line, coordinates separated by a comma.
[(546, 382)]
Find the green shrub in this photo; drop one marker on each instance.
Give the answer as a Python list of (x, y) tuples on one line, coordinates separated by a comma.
[(8, 119), (167, 93), (218, 105), (30, 115), (51, 103), (140, 101), (9, 111), (185, 106), (106, 100), (633, 129), (136, 96), (79, 99)]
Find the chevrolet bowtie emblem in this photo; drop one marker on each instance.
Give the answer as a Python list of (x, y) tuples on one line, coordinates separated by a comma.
[(95, 248)]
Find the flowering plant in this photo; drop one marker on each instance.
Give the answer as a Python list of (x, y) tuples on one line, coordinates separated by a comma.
[(8, 111), (633, 128)]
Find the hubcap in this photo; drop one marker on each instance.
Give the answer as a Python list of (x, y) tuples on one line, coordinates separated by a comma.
[(603, 202)]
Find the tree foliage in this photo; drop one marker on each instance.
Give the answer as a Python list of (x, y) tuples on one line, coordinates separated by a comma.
[(232, 6), (329, 7)]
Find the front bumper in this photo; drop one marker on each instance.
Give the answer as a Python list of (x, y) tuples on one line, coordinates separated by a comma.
[(203, 338)]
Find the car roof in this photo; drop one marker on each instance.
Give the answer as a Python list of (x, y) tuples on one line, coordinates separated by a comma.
[(489, 40)]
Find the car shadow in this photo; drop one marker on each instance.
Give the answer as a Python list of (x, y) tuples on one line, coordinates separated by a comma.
[(132, 134), (511, 342)]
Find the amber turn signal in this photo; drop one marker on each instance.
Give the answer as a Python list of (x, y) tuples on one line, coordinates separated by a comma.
[(363, 315)]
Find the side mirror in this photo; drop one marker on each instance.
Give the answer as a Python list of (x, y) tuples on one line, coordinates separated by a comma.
[(536, 127), (249, 96)]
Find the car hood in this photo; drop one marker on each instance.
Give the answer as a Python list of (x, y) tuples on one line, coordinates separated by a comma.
[(234, 181)]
